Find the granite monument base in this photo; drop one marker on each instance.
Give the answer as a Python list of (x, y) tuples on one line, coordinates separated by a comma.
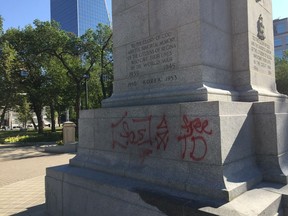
[(208, 150), (78, 191)]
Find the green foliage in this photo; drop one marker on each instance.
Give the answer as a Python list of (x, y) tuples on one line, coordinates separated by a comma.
[(281, 67), (1, 25), (15, 139), (24, 111), (9, 86), (29, 137), (60, 142), (57, 65)]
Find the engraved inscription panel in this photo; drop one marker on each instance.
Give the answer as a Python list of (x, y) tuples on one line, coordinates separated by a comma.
[(262, 56), (154, 54)]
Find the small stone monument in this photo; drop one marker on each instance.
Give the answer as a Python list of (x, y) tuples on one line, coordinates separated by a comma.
[(194, 123), (69, 132), (69, 141)]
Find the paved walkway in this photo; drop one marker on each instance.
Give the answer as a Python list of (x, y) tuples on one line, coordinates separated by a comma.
[(22, 186)]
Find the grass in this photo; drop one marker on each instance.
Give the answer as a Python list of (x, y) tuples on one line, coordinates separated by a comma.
[(29, 136)]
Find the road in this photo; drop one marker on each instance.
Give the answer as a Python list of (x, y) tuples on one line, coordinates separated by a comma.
[(22, 172)]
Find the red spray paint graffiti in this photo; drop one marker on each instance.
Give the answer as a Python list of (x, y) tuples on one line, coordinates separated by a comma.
[(137, 132), (162, 134), (128, 132), (194, 131)]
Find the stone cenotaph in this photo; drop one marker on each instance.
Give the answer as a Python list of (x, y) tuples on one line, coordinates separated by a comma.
[(195, 125)]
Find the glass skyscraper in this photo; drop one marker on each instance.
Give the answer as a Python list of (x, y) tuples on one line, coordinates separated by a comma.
[(79, 15), (280, 36)]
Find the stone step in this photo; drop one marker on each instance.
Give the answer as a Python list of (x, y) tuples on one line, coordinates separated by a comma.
[(254, 202)]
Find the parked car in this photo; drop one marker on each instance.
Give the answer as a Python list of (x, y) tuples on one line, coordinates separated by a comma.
[(5, 128), (15, 127)]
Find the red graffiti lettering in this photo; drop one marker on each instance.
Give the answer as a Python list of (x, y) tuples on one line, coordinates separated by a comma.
[(194, 131), (114, 126), (162, 134), (135, 131)]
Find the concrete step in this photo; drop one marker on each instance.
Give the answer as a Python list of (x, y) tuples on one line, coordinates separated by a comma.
[(254, 202)]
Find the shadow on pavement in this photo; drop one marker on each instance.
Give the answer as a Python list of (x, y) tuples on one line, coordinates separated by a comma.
[(33, 211), (23, 156), (17, 153)]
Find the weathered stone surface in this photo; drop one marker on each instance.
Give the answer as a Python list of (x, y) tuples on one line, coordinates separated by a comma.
[(68, 132), (271, 119), (193, 50), (249, 204), (173, 125), (87, 193), (186, 146)]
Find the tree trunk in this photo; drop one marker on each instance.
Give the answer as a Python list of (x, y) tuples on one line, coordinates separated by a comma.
[(2, 116), (77, 106), (34, 125), (101, 75), (52, 110), (59, 119), (78, 102), (38, 112)]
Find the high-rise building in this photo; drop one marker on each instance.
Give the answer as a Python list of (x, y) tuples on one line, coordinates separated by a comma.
[(280, 36), (79, 15)]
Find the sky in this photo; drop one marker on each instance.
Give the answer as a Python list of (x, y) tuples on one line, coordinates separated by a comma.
[(19, 13)]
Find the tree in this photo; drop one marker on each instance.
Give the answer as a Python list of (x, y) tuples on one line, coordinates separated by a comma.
[(100, 82), (281, 67), (55, 66), (77, 55), (1, 25), (84, 53), (33, 80), (103, 36), (24, 111), (59, 92), (8, 81)]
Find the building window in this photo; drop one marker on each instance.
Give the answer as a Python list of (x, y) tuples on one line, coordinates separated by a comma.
[(280, 28), (277, 42)]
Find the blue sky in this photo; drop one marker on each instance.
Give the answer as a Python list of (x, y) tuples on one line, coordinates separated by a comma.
[(19, 13)]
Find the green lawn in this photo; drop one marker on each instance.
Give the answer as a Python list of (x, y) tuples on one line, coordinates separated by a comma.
[(29, 136)]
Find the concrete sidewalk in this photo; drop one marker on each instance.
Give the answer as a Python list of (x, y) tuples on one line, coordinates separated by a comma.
[(22, 172), (25, 197)]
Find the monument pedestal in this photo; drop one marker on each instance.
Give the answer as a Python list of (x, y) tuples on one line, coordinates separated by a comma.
[(158, 159), (200, 147), (271, 119), (154, 150), (209, 150), (77, 191)]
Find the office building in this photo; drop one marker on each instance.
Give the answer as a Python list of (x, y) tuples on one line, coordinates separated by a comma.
[(280, 36), (79, 15)]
